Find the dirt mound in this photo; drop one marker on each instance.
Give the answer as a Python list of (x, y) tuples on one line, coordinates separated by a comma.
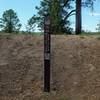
[(74, 65)]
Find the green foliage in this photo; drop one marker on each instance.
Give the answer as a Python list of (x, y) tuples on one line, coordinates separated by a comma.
[(10, 22), (31, 24), (55, 16), (98, 27), (59, 13)]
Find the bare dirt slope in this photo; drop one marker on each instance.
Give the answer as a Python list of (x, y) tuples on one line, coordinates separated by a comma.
[(75, 67)]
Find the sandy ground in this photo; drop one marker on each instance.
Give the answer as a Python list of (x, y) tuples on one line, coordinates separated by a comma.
[(75, 68)]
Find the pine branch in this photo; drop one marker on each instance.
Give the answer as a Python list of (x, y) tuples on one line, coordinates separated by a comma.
[(70, 14), (65, 3)]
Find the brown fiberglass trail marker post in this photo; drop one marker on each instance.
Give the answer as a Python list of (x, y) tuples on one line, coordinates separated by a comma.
[(47, 43)]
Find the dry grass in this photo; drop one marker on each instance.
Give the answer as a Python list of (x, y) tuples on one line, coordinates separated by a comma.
[(75, 68)]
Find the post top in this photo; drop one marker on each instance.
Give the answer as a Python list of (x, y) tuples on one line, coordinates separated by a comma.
[(47, 19)]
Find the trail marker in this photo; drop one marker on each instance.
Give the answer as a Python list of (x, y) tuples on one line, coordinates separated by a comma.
[(47, 44)]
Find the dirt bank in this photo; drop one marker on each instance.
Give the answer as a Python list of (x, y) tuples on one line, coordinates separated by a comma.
[(75, 67)]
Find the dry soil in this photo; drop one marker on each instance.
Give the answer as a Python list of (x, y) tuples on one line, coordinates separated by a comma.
[(75, 68)]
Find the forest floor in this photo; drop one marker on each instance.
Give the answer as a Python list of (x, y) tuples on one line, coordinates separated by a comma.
[(75, 68)]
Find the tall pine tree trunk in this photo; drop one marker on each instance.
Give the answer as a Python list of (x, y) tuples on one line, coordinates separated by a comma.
[(78, 17)]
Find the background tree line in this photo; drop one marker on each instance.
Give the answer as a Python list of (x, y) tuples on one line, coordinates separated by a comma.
[(59, 10)]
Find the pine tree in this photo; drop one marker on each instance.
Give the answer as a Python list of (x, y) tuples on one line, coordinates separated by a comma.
[(59, 12), (31, 25), (9, 21), (98, 27)]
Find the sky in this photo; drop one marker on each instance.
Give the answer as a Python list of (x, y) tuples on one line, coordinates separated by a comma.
[(26, 9), (91, 19)]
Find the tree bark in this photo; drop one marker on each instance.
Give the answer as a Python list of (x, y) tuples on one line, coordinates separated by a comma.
[(78, 17)]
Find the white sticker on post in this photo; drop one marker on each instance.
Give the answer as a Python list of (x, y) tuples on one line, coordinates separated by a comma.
[(47, 56)]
